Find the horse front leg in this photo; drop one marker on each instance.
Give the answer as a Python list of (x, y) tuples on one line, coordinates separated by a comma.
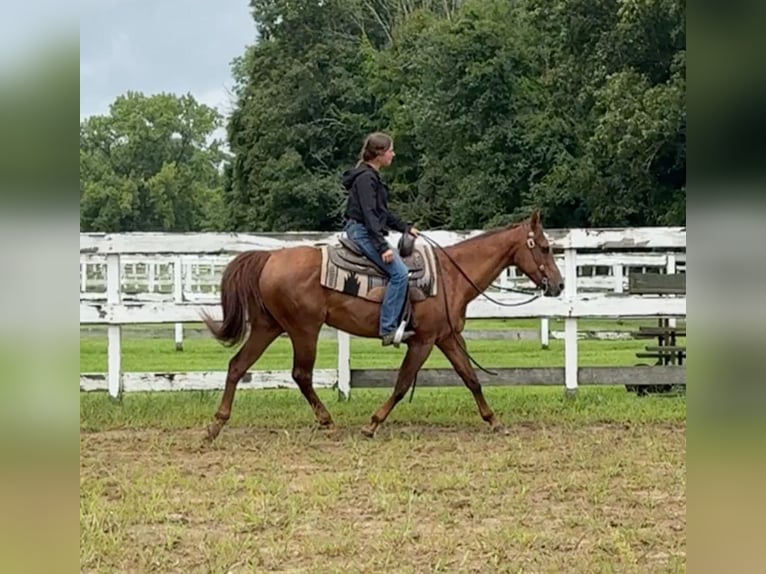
[(417, 353), (453, 348)]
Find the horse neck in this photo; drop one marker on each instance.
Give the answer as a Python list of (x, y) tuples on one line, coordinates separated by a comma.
[(482, 259)]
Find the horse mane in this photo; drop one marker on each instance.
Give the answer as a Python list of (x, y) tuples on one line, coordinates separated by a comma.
[(491, 232)]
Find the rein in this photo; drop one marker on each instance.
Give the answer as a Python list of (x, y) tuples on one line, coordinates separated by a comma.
[(536, 294)]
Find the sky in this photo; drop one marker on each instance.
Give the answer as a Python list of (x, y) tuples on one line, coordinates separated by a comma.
[(152, 46)]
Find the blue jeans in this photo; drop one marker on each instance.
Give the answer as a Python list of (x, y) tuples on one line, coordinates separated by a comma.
[(398, 277)]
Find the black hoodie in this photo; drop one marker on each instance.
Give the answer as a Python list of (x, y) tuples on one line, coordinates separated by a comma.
[(368, 204)]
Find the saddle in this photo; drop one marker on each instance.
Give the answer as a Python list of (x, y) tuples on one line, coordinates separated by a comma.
[(348, 256), (346, 269)]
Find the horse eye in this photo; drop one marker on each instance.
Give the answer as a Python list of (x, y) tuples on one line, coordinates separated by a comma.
[(546, 249)]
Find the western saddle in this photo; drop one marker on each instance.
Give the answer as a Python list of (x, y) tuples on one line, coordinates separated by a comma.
[(349, 257)]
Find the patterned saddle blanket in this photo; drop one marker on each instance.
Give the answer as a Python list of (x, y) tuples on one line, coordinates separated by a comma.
[(346, 269)]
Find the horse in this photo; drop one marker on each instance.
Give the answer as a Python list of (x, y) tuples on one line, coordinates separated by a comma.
[(279, 291)]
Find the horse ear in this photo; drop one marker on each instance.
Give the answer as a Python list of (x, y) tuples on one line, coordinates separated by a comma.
[(534, 221)]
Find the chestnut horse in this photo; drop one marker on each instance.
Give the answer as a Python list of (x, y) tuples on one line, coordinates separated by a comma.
[(279, 292)]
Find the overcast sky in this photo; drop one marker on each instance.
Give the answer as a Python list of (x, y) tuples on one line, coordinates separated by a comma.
[(151, 46)]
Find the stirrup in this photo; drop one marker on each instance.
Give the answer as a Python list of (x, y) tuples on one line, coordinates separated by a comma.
[(399, 334)]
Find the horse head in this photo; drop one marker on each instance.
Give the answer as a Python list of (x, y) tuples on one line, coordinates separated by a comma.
[(535, 258)]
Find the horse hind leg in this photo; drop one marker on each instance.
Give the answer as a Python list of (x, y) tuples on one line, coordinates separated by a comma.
[(261, 336), (304, 356)]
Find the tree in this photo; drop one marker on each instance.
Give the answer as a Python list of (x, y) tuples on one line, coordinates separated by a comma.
[(150, 165), (463, 105), (615, 82), (496, 107), (302, 105)]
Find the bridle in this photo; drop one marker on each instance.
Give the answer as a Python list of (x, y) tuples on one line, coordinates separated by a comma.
[(531, 244), (536, 258), (536, 293)]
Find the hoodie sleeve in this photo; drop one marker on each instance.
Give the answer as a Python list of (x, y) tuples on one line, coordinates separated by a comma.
[(395, 223), (365, 189)]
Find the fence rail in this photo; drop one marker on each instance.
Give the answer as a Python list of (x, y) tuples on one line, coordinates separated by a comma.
[(139, 278)]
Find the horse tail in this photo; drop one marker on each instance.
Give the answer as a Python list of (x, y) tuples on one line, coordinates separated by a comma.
[(240, 297)]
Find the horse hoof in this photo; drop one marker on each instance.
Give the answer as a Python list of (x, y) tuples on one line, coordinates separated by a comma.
[(213, 430), (501, 430), (369, 432)]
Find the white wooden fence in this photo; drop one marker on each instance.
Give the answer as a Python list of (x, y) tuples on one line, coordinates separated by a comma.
[(196, 278), (139, 278)]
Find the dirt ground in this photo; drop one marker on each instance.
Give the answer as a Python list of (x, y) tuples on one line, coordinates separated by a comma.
[(547, 498)]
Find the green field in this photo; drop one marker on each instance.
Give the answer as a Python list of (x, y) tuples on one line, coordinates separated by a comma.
[(152, 348), (287, 409), (205, 355), (153, 330)]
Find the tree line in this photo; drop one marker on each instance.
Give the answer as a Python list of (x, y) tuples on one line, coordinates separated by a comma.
[(496, 107)]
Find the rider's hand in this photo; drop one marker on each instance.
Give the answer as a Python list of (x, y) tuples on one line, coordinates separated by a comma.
[(388, 256), (414, 231)]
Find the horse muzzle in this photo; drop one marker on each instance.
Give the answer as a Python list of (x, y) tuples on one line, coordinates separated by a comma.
[(552, 289)]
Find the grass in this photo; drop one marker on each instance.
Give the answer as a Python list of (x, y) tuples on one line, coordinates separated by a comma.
[(142, 354), (594, 483), (287, 409), (154, 330)]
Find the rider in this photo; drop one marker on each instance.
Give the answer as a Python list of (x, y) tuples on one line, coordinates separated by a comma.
[(367, 222)]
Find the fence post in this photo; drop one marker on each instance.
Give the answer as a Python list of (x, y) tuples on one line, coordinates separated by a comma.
[(671, 270), (178, 298), (114, 332), (344, 365), (152, 280), (618, 274), (570, 324), (545, 332)]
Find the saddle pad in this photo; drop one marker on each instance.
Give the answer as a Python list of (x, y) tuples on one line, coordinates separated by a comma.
[(360, 283)]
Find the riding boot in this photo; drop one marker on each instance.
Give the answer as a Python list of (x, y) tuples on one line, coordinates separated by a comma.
[(388, 338)]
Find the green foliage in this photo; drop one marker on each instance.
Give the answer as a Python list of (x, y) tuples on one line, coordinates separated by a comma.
[(577, 107), (149, 166)]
